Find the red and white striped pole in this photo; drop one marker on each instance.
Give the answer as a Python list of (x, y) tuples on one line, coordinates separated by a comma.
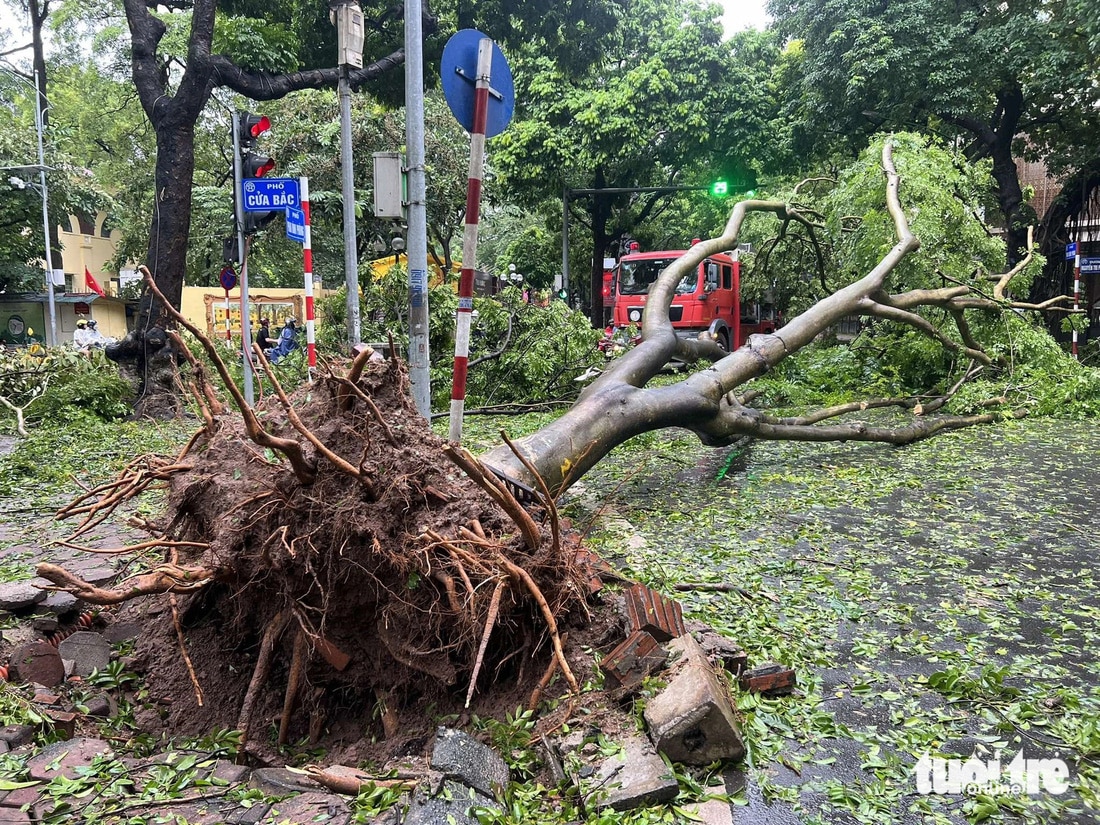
[(469, 237), (1076, 293), (307, 267)]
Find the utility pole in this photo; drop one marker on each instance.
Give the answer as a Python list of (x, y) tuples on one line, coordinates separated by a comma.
[(348, 18), (417, 246)]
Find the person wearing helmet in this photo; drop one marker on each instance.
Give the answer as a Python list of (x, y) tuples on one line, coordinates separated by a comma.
[(95, 337), (80, 336), (288, 341)]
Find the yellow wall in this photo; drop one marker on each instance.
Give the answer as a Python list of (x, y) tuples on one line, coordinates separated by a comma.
[(205, 307), (79, 250)]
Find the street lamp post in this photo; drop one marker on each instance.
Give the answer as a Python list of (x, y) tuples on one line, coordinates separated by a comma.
[(41, 187)]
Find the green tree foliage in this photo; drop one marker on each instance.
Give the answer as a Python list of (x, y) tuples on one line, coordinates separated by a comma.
[(1016, 80), (941, 194)]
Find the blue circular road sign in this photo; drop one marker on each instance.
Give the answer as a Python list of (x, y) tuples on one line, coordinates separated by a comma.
[(459, 69), (228, 278)]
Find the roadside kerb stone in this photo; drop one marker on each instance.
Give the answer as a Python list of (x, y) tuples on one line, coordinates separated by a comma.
[(37, 662), (459, 756), (87, 650), (692, 720), (633, 778), (20, 595)]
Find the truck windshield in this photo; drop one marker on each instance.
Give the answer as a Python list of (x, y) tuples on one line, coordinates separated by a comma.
[(636, 277)]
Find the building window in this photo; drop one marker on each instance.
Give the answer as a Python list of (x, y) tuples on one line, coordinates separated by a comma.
[(87, 224)]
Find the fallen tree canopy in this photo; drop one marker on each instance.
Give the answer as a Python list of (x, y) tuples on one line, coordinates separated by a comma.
[(872, 275)]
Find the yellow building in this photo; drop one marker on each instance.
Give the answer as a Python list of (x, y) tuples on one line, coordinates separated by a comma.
[(208, 309)]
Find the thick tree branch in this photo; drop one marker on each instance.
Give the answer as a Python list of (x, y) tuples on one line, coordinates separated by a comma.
[(265, 86)]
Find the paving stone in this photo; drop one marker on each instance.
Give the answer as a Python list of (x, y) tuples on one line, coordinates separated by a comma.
[(60, 603), (121, 632), (87, 650), (693, 720), (632, 778), (94, 573), (229, 772), (241, 815), (20, 595), (195, 813), (46, 625), (711, 812), (17, 735), (281, 781), (449, 807), (14, 816), (20, 797), (63, 758), (310, 807), (37, 662), (459, 756), (101, 705)]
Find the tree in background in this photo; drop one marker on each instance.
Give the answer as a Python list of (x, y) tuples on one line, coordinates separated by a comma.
[(661, 106), (1014, 81)]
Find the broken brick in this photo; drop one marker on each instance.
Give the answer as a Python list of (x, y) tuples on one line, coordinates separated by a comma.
[(770, 679), (636, 657), (648, 610)]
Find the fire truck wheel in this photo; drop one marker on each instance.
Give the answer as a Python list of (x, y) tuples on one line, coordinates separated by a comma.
[(724, 340)]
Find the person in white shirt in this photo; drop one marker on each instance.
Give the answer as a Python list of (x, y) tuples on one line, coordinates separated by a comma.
[(80, 337)]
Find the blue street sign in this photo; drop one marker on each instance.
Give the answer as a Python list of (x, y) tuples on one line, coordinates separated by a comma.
[(1071, 251), (459, 75), (267, 194), (296, 224), (1090, 266)]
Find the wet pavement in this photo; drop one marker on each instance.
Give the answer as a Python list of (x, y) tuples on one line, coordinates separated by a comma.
[(939, 599)]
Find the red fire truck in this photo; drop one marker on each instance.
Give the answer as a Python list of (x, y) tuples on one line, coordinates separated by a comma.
[(706, 300)]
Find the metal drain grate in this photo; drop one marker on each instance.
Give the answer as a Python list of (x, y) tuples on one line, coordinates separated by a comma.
[(522, 493)]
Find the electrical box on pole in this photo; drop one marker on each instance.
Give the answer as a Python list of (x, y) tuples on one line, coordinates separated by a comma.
[(348, 18), (389, 185)]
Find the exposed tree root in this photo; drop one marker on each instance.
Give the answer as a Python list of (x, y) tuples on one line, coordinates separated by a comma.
[(259, 673), (167, 578)]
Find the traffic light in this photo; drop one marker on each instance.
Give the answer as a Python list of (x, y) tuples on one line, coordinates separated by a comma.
[(720, 188), (563, 294), (250, 128)]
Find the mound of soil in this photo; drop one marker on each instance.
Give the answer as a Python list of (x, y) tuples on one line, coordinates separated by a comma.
[(349, 595)]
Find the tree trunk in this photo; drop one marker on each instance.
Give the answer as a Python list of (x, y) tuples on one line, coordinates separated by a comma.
[(601, 211)]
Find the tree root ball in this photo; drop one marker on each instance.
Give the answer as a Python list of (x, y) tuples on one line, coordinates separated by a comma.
[(386, 580)]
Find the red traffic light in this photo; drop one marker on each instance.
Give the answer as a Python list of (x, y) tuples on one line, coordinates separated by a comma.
[(256, 166), (256, 125), (252, 127)]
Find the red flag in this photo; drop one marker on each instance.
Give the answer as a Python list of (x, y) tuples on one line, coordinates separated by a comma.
[(93, 284)]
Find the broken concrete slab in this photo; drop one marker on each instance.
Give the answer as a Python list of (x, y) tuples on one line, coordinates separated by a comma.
[(87, 650), (59, 603), (37, 662), (693, 719), (633, 778), (459, 756)]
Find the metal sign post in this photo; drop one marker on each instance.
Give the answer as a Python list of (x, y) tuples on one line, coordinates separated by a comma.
[(473, 112)]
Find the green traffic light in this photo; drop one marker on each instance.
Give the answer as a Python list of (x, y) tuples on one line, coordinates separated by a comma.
[(719, 188)]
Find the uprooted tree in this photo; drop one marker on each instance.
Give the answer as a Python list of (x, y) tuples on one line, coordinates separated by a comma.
[(325, 550)]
